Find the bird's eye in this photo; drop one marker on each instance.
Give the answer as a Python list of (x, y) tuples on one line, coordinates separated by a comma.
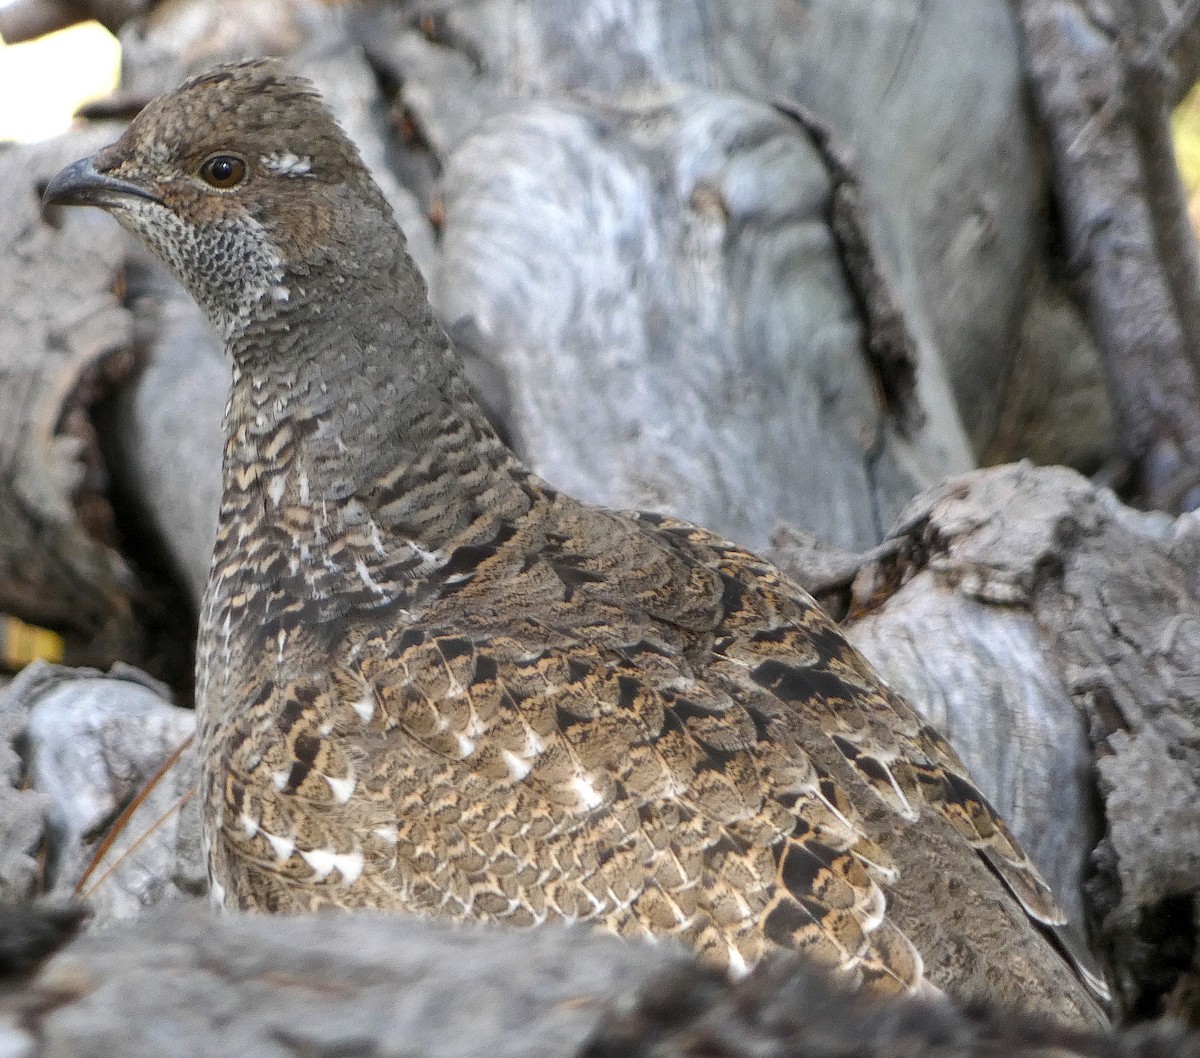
[(223, 171)]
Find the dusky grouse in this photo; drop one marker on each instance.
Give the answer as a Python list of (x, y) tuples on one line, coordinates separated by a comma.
[(430, 682)]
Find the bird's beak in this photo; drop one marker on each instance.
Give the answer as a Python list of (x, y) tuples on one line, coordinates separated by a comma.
[(82, 184)]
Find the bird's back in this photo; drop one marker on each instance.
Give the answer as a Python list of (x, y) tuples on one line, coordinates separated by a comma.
[(625, 720)]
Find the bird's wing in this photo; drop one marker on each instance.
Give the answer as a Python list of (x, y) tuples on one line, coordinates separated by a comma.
[(607, 784), (282, 795), (781, 640), (657, 761)]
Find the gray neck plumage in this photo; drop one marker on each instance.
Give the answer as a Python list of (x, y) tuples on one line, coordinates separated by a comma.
[(354, 444)]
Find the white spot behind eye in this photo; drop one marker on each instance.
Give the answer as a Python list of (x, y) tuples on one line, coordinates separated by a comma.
[(285, 163)]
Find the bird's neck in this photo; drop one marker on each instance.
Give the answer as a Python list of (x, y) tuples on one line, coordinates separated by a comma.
[(353, 441)]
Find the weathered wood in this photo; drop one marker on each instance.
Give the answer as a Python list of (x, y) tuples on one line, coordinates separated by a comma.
[(785, 1011), (23, 814), (719, 317), (341, 985), (23, 20), (364, 984), (65, 341), (1051, 634), (1116, 220), (92, 747)]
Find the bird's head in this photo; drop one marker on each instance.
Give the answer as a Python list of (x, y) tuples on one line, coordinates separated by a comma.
[(243, 184)]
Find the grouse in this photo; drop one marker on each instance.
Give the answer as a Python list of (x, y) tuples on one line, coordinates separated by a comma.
[(430, 682)]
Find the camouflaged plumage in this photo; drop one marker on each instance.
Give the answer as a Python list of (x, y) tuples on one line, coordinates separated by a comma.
[(429, 682)]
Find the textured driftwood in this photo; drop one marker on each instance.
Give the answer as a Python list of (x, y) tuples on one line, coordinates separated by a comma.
[(1044, 627), (24, 19), (927, 96), (91, 746), (64, 340), (346, 985), (785, 1010), (360, 984), (1100, 93), (23, 814)]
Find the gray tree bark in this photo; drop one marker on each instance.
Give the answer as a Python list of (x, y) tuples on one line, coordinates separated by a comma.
[(384, 987)]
